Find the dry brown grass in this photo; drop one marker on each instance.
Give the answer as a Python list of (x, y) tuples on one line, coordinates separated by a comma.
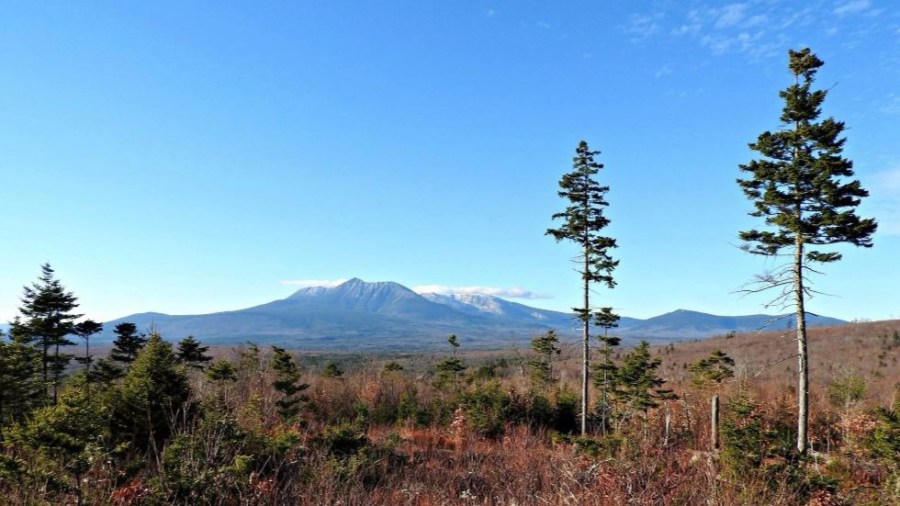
[(448, 460)]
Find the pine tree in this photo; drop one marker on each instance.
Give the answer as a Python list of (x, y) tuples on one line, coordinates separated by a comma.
[(545, 345), (287, 383), (583, 221), (639, 386), (798, 188), (47, 318), (85, 330), (714, 369), (152, 395), (449, 369), (127, 344), (20, 381), (605, 371), (192, 353)]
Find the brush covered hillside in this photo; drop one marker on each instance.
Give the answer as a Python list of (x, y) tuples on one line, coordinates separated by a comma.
[(265, 426), (389, 316), (868, 350)]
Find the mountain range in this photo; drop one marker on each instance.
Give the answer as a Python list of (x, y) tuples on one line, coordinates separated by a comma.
[(387, 315)]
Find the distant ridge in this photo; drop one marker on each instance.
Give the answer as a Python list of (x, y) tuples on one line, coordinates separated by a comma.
[(385, 315)]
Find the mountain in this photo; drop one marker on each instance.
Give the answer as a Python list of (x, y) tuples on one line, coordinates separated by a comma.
[(354, 314), (387, 315), (684, 324)]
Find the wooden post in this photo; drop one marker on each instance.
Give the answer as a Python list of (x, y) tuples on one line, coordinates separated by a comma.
[(668, 425), (714, 423)]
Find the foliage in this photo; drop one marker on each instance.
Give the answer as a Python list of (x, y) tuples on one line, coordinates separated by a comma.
[(454, 343), (744, 440), (606, 372), (152, 396), (222, 370), (583, 222), (565, 413), (450, 369), (885, 442), (85, 329), (798, 188), (487, 408), (287, 383), (21, 388), (714, 369), (65, 438), (47, 319), (332, 370), (545, 346), (392, 366), (214, 457), (127, 344), (847, 390), (638, 387), (192, 353)]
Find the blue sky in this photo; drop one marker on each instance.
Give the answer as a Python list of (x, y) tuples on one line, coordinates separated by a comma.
[(191, 157)]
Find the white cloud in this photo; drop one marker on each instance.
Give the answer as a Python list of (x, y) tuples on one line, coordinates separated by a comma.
[(852, 7), (512, 292), (730, 15), (305, 283), (642, 26)]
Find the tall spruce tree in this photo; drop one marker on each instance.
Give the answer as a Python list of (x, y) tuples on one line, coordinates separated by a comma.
[(192, 353), (583, 221), (799, 189), (545, 345), (127, 344), (47, 319), (287, 383)]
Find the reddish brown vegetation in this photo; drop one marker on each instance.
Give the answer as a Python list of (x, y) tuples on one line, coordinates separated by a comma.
[(394, 437)]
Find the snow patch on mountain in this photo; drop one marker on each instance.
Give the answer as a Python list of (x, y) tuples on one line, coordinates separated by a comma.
[(480, 303)]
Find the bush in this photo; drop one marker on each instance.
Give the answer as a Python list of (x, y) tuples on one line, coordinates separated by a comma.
[(487, 408)]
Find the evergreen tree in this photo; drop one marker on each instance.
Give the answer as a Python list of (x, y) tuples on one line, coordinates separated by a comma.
[(454, 343), (715, 369), (798, 189), (605, 371), (639, 387), (287, 383), (67, 438), (20, 381), (105, 372), (47, 319), (583, 221), (449, 369), (127, 344), (545, 345), (332, 370), (85, 330), (192, 353), (152, 395), (221, 371)]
